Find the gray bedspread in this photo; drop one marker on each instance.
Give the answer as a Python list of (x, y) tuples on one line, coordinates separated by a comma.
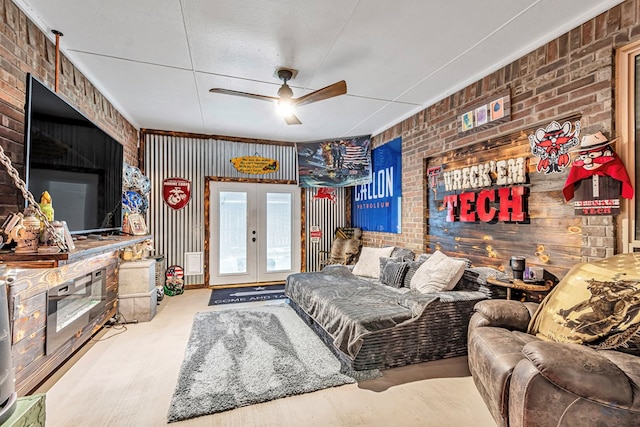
[(348, 307)]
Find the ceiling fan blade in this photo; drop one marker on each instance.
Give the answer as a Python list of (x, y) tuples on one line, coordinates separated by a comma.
[(336, 89), (291, 119), (244, 94)]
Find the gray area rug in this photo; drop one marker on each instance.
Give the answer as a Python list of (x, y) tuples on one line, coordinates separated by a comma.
[(241, 357)]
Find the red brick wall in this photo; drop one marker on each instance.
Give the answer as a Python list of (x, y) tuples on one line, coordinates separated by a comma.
[(571, 74), (25, 49)]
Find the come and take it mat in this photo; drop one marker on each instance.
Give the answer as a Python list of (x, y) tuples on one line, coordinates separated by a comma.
[(246, 294)]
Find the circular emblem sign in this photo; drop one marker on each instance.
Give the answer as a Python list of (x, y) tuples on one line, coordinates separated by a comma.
[(176, 192)]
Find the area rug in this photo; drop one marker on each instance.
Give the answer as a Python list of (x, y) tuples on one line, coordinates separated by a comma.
[(246, 294), (241, 357)]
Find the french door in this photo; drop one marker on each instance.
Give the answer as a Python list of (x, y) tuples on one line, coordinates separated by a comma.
[(628, 144), (254, 232)]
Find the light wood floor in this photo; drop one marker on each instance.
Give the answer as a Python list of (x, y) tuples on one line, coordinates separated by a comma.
[(128, 377)]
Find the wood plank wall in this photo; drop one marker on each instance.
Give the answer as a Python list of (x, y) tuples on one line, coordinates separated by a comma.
[(550, 236)]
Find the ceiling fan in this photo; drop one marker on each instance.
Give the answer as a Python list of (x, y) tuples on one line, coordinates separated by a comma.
[(285, 99)]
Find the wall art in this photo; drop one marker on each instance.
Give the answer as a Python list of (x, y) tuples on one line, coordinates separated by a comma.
[(552, 144)]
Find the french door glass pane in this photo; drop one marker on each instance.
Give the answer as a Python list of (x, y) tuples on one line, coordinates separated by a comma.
[(233, 232), (279, 208)]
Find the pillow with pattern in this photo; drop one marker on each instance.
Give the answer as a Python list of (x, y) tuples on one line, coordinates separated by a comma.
[(392, 271), (593, 303)]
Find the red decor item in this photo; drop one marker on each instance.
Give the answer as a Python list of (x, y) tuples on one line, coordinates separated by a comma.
[(325, 193), (596, 157), (176, 192)]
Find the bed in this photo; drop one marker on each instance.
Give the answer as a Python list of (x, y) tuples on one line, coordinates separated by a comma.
[(370, 325)]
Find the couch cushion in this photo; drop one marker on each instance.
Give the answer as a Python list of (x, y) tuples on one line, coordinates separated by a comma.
[(593, 301), (438, 273), (368, 264), (493, 353), (392, 272)]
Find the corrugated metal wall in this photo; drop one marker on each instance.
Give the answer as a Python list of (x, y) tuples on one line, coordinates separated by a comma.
[(167, 156), (326, 214)]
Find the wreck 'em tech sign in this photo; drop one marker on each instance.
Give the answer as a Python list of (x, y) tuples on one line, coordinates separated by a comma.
[(483, 202)]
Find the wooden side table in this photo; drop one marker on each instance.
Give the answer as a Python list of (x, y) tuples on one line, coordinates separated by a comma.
[(542, 286)]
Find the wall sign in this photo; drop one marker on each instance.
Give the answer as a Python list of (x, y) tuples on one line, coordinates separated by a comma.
[(326, 193), (315, 234), (176, 192), (502, 204), (377, 206), (552, 144), (255, 165)]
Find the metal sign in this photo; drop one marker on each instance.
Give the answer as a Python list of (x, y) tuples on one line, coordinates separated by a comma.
[(255, 165), (176, 192)]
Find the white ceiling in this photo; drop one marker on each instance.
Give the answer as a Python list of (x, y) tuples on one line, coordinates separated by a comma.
[(156, 60)]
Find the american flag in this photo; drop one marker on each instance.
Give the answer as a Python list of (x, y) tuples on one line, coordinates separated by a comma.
[(356, 155)]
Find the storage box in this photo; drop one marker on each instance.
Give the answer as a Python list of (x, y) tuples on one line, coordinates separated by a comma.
[(137, 277), (140, 307)]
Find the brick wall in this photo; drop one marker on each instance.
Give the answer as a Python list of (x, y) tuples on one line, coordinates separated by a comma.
[(25, 49), (571, 74)]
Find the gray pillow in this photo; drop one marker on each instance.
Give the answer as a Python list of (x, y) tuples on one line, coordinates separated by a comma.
[(413, 267), (392, 272), (404, 254)]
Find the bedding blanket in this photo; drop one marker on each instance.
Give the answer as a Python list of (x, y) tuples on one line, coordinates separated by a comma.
[(348, 307)]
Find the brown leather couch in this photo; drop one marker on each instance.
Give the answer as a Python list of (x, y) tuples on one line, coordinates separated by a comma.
[(525, 381)]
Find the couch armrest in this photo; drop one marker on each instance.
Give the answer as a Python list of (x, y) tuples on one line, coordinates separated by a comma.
[(509, 314), (583, 371)]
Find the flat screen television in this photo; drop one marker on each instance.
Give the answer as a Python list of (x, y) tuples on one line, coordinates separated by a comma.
[(69, 156)]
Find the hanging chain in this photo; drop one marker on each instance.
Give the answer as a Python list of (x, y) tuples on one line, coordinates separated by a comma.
[(20, 185)]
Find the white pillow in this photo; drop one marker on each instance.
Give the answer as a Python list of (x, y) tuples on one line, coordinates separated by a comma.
[(368, 264), (438, 273)]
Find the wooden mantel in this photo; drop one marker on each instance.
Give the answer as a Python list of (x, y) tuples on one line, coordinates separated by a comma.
[(84, 248)]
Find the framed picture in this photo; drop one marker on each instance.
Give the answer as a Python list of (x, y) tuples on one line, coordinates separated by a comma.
[(67, 236), (481, 115), (467, 121), (497, 109), (137, 225)]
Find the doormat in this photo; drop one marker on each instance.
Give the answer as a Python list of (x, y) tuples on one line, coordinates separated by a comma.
[(246, 294)]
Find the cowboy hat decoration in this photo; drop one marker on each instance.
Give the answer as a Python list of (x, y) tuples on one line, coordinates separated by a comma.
[(596, 157), (592, 142)]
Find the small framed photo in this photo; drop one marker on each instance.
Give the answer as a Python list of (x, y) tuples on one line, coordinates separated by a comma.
[(497, 109), (137, 225), (67, 236), (467, 121), (481, 115)]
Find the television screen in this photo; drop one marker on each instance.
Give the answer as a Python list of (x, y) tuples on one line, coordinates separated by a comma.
[(74, 160)]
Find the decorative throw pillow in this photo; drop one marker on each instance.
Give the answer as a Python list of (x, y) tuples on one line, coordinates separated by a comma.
[(413, 267), (403, 254), (438, 273), (593, 301), (392, 272), (368, 264)]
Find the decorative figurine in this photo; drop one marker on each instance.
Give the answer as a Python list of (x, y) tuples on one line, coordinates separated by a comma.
[(46, 205), (25, 231)]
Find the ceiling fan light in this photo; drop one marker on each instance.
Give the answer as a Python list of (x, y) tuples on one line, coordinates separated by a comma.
[(285, 107)]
